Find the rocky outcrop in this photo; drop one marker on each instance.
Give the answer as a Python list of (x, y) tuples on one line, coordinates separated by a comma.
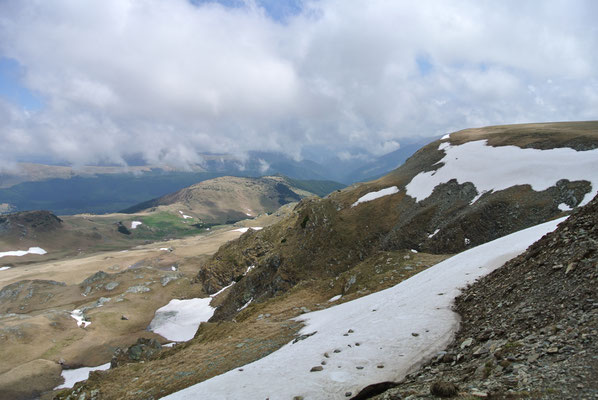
[(531, 327), (28, 223), (143, 350)]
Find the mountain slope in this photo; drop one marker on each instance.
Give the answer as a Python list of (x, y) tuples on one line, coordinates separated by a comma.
[(326, 237), (229, 199), (377, 336), (357, 241), (529, 328)]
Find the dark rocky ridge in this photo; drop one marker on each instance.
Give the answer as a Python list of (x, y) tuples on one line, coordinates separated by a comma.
[(530, 328), (29, 223)]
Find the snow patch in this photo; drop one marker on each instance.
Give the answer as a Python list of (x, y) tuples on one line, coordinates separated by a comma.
[(222, 290), (243, 230), (376, 195), (335, 298), (179, 319), (414, 251), (135, 224), (72, 376), (77, 314), (497, 168), (564, 207), (20, 253), (4, 268), (433, 234), (445, 137), (245, 305), (249, 269), (382, 323), (187, 216)]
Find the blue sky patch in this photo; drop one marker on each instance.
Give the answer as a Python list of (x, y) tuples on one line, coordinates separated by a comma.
[(11, 87)]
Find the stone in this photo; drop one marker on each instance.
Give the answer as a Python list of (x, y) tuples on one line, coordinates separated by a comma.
[(444, 389), (552, 350), (316, 368)]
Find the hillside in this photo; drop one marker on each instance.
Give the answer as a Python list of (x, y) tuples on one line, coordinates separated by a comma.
[(529, 328), (230, 199), (442, 200), (467, 189)]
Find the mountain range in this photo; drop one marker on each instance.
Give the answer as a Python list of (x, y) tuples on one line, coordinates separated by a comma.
[(347, 293)]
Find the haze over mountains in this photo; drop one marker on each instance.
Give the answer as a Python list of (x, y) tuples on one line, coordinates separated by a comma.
[(67, 190)]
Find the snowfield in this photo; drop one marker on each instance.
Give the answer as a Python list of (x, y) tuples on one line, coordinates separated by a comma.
[(497, 168), (135, 224), (376, 195), (20, 253), (178, 320), (72, 376), (376, 338)]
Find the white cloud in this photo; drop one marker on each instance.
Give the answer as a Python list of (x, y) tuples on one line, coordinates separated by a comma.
[(168, 79)]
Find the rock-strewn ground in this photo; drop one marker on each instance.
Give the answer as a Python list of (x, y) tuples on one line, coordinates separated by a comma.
[(530, 329)]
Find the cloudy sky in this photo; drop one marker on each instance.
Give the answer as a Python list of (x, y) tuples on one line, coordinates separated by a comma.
[(95, 81)]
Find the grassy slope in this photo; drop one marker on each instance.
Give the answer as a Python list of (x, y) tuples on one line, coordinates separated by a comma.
[(230, 199)]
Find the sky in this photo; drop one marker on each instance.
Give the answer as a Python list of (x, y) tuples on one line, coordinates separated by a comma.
[(97, 81)]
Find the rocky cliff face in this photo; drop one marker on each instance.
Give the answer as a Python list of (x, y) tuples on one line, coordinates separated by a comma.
[(530, 328)]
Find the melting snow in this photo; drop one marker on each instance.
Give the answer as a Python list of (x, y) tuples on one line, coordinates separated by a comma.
[(447, 136), (245, 305), (335, 298), (186, 216), (249, 269), (179, 319), (414, 251), (4, 268), (135, 224), (384, 324), (243, 230), (78, 316), (376, 195), (72, 376), (433, 234), (20, 253), (564, 207), (497, 168), (223, 289)]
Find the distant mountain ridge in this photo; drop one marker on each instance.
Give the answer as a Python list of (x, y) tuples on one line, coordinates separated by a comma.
[(105, 189), (230, 199)]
